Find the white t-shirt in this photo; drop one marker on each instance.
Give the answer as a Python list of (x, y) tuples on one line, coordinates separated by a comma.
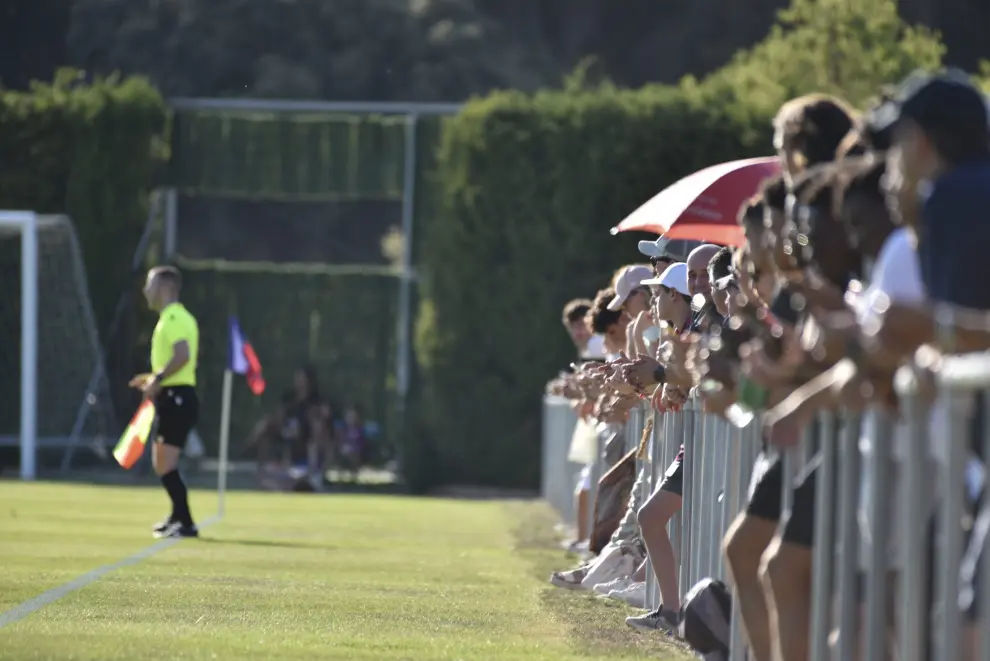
[(896, 275), (595, 347)]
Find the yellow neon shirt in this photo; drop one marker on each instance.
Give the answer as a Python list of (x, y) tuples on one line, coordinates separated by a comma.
[(175, 325)]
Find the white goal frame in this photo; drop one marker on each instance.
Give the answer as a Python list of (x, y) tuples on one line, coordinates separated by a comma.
[(26, 225)]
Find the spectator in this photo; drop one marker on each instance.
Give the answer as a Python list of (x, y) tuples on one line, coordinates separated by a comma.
[(587, 344), (808, 132), (630, 296), (719, 268), (939, 179), (672, 298), (634, 300), (663, 252), (354, 445), (301, 432), (700, 287), (611, 325), (673, 306)]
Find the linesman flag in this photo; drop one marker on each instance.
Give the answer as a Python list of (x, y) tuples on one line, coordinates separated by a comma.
[(243, 359), (131, 445)]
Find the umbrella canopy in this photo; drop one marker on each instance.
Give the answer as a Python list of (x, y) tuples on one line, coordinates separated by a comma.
[(703, 206)]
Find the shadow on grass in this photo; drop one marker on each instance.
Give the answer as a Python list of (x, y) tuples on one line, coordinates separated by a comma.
[(597, 626), (197, 480), (270, 543)]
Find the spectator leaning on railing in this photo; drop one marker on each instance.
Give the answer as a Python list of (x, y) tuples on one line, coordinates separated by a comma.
[(939, 181), (808, 131)]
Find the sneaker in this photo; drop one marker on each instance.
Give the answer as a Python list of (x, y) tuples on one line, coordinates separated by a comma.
[(659, 619), (577, 547), (634, 595), (184, 531), (179, 530), (163, 525), (569, 580), (615, 585)]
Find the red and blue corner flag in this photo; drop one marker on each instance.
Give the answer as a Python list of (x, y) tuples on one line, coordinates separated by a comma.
[(243, 359)]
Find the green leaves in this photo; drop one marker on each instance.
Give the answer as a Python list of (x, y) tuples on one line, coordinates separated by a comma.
[(842, 47)]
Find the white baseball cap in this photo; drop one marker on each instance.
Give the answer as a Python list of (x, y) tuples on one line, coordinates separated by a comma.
[(665, 248), (674, 277), (654, 249), (627, 282)]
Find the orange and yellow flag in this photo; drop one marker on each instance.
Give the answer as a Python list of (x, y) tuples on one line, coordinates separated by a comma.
[(131, 445)]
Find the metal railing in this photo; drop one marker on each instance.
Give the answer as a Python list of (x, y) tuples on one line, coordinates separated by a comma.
[(928, 475)]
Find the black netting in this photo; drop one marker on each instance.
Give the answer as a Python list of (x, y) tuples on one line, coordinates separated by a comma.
[(212, 228)]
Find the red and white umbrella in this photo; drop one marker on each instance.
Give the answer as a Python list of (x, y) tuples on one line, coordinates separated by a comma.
[(703, 206)]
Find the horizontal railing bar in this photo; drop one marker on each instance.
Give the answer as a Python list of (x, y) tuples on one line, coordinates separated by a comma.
[(965, 372), (329, 107)]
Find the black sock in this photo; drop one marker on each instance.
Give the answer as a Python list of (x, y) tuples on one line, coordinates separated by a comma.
[(176, 489)]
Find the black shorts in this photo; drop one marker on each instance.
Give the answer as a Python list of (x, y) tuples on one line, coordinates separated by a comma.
[(799, 523), (766, 488), (673, 478), (178, 411), (766, 498)]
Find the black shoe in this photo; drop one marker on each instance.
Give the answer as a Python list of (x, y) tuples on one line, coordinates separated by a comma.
[(163, 525), (182, 530)]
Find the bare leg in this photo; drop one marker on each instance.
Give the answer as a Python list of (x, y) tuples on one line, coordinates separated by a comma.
[(653, 517), (745, 542), (785, 572), (970, 643)]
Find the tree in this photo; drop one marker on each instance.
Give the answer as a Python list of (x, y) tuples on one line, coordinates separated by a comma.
[(849, 48), (375, 50)]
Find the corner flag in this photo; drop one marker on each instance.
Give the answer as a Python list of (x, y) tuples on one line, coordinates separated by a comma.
[(243, 359)]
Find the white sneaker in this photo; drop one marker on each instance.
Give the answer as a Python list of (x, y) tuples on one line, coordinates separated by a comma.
[(611, 564), (577, 547), (658, 619), (634, 595), (615, 585)]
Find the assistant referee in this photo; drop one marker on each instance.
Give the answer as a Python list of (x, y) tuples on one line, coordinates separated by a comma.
[(172, 386)]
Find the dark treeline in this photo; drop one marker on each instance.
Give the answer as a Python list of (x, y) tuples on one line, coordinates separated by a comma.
[(407, 49)]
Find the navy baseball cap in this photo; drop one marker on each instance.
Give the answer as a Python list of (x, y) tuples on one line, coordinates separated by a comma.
[(946, 106)]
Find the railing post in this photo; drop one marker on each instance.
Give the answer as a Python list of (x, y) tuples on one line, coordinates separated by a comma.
[(824, 541)]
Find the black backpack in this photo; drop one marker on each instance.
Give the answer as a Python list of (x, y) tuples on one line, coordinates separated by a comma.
[(706, 613)]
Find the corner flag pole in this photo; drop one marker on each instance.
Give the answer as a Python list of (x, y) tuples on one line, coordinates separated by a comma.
[(228, 381)]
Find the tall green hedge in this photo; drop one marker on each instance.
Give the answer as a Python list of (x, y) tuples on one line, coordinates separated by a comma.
[(89, 150), (531, 187)]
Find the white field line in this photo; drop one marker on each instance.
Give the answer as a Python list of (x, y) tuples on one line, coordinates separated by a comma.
[(21, 611)]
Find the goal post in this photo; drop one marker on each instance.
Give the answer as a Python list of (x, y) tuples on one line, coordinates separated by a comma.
[(25, 224), (54, 389)]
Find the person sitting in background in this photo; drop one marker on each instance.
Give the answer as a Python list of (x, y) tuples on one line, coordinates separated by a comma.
[(353, 448), (300, 435)]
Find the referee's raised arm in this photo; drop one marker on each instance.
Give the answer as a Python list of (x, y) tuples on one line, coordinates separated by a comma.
[(172, 387)]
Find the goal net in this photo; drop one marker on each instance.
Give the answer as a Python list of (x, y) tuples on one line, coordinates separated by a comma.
[(73, 408)]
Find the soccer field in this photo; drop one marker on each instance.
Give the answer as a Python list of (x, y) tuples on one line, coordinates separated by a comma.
[(296, 577)]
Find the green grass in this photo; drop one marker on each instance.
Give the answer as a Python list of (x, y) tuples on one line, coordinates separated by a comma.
[(297, 577)]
